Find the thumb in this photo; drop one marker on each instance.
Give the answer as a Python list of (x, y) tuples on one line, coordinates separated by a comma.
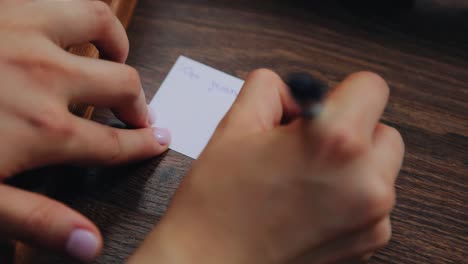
[(40, 221), (262, 104)]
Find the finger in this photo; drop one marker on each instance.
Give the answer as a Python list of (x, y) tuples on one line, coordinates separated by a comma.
[(77, 22), (365, 243), (356, 104), (389, 150), (40, 221), (108, 84), (353, 246), (262, 103), (98, 144)]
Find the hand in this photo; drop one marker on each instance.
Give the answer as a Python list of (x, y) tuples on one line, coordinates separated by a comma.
[(39, 81), (312, 191)]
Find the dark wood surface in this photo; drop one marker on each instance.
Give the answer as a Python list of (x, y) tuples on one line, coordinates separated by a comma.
[(423, 57)]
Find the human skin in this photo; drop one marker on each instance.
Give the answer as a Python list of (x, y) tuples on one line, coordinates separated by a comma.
[(316, 191), (39, 80), (311, 191)]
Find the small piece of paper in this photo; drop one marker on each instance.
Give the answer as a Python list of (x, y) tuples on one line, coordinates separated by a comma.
[(191, 102)]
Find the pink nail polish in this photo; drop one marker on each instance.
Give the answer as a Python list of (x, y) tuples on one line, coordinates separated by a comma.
[(162, 135), (82, 245)]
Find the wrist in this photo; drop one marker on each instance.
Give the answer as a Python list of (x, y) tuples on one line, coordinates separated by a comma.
[(189, 239)]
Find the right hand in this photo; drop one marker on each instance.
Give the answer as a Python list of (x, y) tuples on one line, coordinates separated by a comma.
[(39, 80), (313, 191)]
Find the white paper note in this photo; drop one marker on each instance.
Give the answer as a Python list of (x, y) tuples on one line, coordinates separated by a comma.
[(191, 102)]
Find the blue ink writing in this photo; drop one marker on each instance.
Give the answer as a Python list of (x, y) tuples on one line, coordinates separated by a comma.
[(189, 72), (216, 87)]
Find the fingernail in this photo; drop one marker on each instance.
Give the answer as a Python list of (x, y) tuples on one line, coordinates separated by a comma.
[(162, 135), (83, 245)]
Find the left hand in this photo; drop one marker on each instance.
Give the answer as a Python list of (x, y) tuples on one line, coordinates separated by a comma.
[(39, 80)]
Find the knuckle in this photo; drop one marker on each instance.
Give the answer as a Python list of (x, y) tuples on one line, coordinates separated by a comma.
[(380, 235), (264, 74), (343, 142), (396, 138), (370, 77), (377, 202), (53, 122), (102, 13), (373, 80), (47, 72), (132, 87), (108, 25), (114, 151), (100, 9)]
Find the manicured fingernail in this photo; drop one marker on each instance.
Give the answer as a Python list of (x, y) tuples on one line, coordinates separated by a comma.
[(162, 135), (83, 245)]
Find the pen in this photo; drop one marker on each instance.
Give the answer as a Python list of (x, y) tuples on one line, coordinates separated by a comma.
[(308, 92)]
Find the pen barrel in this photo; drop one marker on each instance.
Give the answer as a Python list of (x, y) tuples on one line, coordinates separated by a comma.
[(123, 9)]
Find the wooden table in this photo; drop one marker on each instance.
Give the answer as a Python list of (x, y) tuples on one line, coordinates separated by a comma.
[(425, 63)]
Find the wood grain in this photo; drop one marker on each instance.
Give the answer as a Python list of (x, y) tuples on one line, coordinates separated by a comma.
[(424, 58)]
